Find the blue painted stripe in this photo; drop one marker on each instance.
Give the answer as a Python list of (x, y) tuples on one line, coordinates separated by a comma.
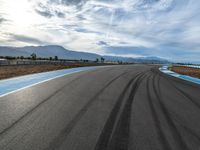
[(15, 84), (165, 70)]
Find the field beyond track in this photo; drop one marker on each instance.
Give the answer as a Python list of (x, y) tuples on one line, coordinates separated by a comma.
[(194, 72), (18, 70)]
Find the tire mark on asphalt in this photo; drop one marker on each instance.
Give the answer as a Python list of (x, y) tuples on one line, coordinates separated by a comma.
[(107, 130), (184, 94), (56, 143), (170, 79), (174, 130), (164, 143), (115, 134), (178, 121), (120, 137)]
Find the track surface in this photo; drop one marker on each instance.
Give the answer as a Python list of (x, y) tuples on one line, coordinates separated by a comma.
[(114, 108)]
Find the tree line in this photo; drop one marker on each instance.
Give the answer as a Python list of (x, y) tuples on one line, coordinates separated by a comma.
[(33, 56)]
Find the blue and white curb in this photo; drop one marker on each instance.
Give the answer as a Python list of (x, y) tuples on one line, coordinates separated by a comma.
[(165, 70), (12, 85)]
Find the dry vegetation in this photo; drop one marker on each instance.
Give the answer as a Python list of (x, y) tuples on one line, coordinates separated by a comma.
[(18, 70), (194, 72)]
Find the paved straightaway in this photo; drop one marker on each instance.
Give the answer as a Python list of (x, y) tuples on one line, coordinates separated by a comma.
[(133, 107)]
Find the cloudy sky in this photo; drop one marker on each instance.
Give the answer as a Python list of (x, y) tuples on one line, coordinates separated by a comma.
[(164, 28)]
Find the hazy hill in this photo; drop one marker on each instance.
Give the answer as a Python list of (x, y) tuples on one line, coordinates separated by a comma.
[(62, 53), (12, 51), (137, 60), (47, 51)]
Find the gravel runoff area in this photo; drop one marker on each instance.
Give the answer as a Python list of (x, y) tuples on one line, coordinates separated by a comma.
[(193, 72), (18, 70)]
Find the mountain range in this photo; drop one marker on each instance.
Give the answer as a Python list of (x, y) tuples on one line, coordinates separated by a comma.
[(62, 53)]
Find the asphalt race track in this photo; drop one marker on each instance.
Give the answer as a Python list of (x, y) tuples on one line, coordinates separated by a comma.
[(133, 107)]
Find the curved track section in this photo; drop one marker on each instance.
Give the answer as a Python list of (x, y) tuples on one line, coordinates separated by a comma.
[(134, 107)]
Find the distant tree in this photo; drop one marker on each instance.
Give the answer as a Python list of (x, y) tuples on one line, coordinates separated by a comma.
[(102, 59), (10, 57), (21, 57), (85, 60), (33, 56), (120, 62), (50, 58), (56, 57), (97, 59)]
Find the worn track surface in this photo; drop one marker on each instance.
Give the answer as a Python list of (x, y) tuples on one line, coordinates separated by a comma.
[(131, 107)]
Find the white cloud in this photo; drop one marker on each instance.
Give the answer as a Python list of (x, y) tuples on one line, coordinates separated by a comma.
[(81, 24)]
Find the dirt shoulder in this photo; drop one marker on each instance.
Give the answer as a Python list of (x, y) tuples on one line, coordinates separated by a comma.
[(18, 70), (194, 72)]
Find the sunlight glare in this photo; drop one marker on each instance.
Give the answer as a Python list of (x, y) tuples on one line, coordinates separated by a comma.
[(20, 12)]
